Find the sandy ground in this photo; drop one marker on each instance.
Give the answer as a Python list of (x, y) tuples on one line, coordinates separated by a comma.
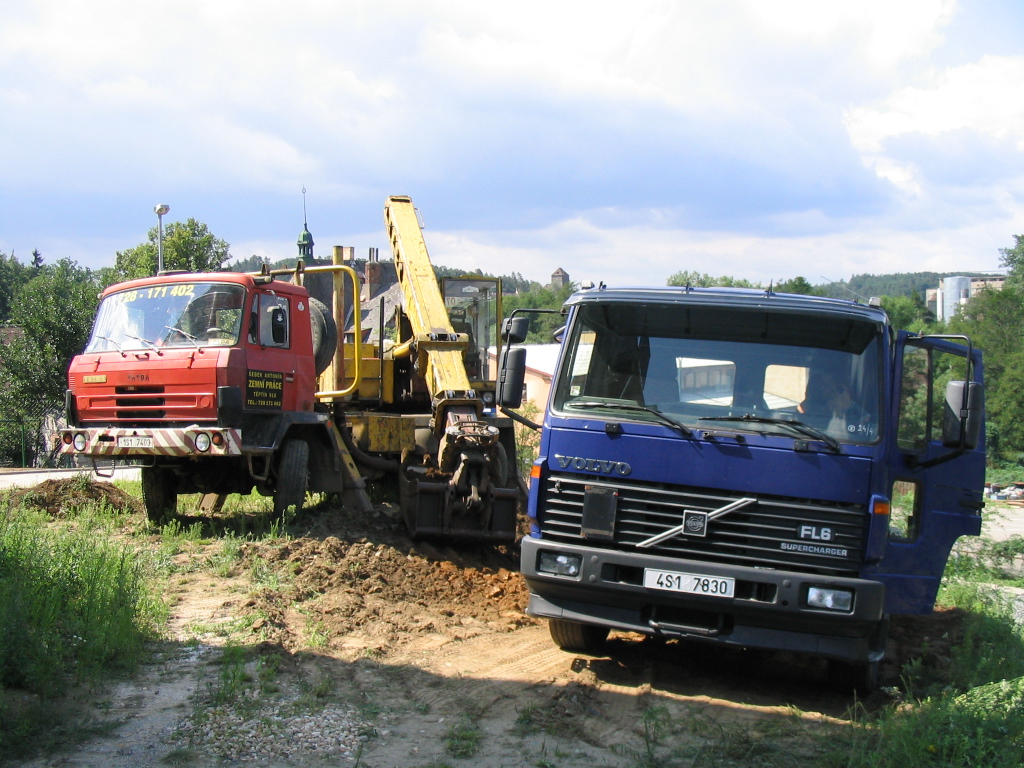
[(428, 648)]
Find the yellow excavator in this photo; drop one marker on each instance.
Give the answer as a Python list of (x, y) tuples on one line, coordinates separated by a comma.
[(221, 383), (420, 409)]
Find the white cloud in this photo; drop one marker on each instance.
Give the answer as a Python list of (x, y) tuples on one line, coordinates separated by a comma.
[(985, 98), (724, 136)]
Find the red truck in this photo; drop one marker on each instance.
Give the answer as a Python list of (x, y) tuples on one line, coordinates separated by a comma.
[(209, 381)]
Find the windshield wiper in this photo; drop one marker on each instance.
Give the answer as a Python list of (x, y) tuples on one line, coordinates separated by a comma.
[(797, 426), (147, 342), (107, 338), (188, 336), (667, 420)]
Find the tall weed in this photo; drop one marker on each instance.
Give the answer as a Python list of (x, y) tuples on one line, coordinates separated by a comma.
[(72, 605)]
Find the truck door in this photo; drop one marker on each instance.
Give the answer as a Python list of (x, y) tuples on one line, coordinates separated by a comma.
[(935, 489), (271, 369)]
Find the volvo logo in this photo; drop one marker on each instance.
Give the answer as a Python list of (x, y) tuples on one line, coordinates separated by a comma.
[(599, 466)]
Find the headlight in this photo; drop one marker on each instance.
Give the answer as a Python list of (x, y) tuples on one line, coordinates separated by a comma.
[(830, 599), (80, 442), (559, 563), (202, 442)]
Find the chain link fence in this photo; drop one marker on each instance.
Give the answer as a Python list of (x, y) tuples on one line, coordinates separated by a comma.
[(28, 438)]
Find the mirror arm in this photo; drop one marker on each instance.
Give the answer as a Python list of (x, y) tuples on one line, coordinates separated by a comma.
[(520, 419)]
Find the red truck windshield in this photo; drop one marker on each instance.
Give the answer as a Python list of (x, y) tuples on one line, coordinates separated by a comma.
[(183, 314)]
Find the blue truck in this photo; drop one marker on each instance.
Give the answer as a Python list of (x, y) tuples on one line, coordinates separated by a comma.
[(750, 468)]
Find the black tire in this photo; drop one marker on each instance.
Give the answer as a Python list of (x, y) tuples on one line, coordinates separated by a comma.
[(325, 334), (292, 476), (159, 494), (854, 677), (578, 638)]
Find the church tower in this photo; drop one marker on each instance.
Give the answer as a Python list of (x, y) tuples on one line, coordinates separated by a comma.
[(305, 237)]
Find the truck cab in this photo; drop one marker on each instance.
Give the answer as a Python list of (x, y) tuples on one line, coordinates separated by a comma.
[(205, 380), (749, 468)]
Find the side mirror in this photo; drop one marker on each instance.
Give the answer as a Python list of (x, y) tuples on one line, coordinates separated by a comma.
[(278, 326), (963, 414), (511, 376), (516, 329)]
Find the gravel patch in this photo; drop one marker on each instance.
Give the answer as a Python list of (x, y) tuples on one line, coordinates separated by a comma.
[(273, 731)]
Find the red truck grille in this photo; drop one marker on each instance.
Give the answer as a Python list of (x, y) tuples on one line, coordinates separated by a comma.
[(146, 403)]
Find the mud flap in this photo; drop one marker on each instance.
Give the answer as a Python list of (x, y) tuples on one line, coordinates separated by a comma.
[(504, 513), (423, 504)]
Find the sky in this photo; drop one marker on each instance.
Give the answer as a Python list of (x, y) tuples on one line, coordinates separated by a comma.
[(762, 139)]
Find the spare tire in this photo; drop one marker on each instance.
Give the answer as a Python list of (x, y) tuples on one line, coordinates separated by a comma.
[(325, 334)]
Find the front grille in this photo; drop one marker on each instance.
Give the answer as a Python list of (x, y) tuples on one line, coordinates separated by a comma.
[(766, 534), (141, 415)]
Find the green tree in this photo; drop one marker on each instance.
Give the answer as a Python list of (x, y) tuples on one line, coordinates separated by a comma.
[(699, 280), (794, 285), (542, 325), (189, 246), (1005, 408), (909, 313), (994, 320), (54, 311), (1013, 260), (13, 275)]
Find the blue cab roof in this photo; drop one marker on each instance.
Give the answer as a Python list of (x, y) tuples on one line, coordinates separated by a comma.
[(741, 298)]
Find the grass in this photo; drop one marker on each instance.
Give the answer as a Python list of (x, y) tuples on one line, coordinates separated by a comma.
[(969, 714), (76, 607), (73, 607), (997, 562), (463, 738)]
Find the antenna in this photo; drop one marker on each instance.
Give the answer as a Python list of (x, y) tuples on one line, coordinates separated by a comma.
[(842, 285)]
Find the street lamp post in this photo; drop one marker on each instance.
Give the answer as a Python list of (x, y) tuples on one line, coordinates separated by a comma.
[(160, 210)]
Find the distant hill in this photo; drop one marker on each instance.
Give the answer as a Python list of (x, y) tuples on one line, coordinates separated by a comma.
[(898, 284)]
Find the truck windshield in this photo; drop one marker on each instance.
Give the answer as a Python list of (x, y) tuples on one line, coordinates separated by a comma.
[(169, 315), (724, 368)]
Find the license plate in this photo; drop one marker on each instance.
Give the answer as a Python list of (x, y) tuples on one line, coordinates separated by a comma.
[(134, 441), (691, 583)]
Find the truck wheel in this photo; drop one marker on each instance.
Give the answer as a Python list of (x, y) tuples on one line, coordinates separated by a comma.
[(578, 638), (859, 677), (159, 494), (325, 334), (292, 476)]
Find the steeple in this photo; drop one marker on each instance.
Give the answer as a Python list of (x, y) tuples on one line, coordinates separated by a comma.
[(305, 237)]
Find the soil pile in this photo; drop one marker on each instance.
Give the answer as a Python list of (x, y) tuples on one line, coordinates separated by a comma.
[(56, 497), (361, 584)]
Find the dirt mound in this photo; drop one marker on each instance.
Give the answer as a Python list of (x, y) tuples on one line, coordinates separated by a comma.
[(57, 497), (374, 590), (925, 643)]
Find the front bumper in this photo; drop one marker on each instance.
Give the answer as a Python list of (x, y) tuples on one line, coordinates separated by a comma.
[(769, 609), (127, 442)]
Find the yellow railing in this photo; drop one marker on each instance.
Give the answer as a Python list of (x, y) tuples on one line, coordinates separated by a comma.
[(337, 271)]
